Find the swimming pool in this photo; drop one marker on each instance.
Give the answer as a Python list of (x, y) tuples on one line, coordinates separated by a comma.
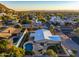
[(55, 38), (28, 47)]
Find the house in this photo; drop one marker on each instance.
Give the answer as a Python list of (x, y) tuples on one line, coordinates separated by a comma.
[(66, 29), (41, 40), (68, 20), (53, 19), (45, 35), (8, 32), (56, 19), (3, 14), (12, 30), (76, 25), (4, 35)]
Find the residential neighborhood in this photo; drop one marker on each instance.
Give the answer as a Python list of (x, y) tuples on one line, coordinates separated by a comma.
[(38, 33)]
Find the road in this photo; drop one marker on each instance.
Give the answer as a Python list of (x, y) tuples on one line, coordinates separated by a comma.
[(71, 45)]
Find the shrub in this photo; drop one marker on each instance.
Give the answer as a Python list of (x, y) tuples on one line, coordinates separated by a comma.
[(72, 55), (74, 51), (16, 52), (29, 52), (8, 50), (51, 53)]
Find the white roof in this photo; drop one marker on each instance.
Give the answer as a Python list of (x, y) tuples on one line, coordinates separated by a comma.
[(47, 34), (43, 34), (53, 18)]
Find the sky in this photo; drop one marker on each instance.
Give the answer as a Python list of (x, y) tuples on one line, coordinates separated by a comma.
[(41, 5)]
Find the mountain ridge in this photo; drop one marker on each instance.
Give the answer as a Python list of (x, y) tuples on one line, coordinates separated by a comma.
[(5, 9)]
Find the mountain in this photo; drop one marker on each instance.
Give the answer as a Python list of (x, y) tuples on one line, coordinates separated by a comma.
[(5, 9)]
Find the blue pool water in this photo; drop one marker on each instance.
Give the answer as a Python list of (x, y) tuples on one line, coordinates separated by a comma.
[(55, 38), (15, 40), (28, 47)]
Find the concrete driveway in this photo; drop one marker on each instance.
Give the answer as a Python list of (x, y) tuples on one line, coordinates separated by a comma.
[(71, 45)]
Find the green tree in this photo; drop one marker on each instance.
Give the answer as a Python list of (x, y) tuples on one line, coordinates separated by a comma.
[(52, 28), (51, 53), (25, 21), (76, 30), (42, 20), (72, 55), (6, 49), (3, 45), (29, 53), (40, 27), (0, 17), (60, 15), (48, 17), (74, 51), (16, 52), (76, 20)]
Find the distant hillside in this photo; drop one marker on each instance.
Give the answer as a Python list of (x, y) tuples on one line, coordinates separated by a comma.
[(5, 9)]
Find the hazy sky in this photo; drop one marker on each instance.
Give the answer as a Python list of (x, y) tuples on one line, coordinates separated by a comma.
[(42, 5)]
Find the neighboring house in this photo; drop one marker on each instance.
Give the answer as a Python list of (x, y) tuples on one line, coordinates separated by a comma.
[(68, 21), (53, 19), (56, 19), (4, 35), (8, 32), (11, 22), (67, 29), (27, 25), (34, 24), (12, 30), (76, 25), (3, 14)]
